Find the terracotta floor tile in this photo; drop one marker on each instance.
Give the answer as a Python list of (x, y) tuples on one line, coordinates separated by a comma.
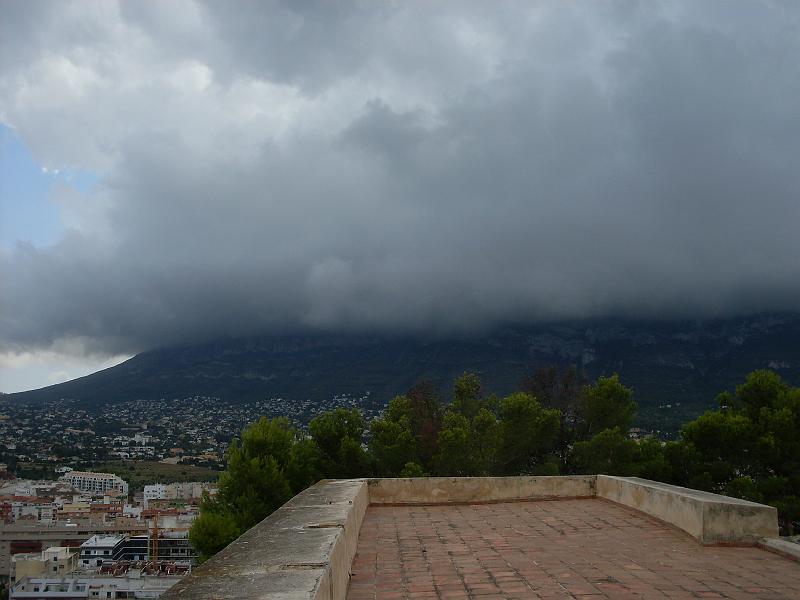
[(551, 549)]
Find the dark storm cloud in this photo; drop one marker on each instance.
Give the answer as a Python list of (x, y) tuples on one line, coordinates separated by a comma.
[(284, 166)]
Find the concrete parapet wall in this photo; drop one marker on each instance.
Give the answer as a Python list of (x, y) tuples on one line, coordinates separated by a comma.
[(783, 547), (710, 518), (301, 551), (464, 490)]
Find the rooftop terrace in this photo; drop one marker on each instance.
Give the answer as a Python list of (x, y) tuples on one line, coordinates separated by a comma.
[(518, 537), (551, 549)]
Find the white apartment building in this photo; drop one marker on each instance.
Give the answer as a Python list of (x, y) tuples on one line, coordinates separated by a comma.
[(189, 490), (133, 585), (95, 483), (157, 491)]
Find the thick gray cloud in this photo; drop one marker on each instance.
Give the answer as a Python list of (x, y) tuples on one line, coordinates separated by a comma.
[(412, 166)]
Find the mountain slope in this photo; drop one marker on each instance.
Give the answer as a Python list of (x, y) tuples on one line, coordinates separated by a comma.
[(665, 362)]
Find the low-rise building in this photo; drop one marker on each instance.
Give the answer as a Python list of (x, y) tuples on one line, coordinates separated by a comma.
[(190, 490), (21, 509), (138, 580), (157, 491), (34, 537), (71, 510), (187, 490), (174, 545), (34, 488), (169, 545), (95, 483), (56, 561), (99, 548)]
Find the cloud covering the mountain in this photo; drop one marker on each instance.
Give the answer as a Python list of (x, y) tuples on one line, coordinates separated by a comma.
[(410, 166)]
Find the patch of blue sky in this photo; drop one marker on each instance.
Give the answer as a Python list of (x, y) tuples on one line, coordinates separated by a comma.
[(26, 212)]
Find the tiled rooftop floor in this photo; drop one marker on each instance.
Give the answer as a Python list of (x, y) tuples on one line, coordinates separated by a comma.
[(552, 549)]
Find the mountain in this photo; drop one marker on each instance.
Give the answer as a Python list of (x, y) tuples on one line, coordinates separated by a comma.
[(680, 364)]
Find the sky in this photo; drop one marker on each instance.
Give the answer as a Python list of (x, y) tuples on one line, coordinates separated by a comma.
[(177, 171)]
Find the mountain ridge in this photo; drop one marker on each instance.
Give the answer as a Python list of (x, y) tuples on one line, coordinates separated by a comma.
[(667, 363)]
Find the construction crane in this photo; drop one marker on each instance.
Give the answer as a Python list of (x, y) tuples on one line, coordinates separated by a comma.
[(153, 549)]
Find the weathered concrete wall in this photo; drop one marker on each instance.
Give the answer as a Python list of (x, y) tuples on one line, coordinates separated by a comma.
[(461, 490), (710, 518), (301, 551)]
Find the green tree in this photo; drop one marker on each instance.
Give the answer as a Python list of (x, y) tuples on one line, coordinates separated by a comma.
[(556, 387), (354, 460), (424, 411), (212, 530), (725, 445), (762, 389), (561, 388), (255, 483), (303, 469), (528, 435), (392, 444), (413, 469), (746, 488), (611, 452), (455, 447), (749, 447), (252, 487), (269, 437), (652, 461), (408, 431), (467, 395), (467, 447), (606, 404), (338, 436), (486, 434)]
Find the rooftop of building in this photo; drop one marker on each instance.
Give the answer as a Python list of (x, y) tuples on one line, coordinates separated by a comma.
[(161, 568), (29, 586), (71, 526), (102, 541), (509, 537), (87, 474), (45, 555), (558, 548)]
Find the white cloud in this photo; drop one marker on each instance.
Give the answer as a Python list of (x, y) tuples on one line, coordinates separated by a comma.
[(415, 166)]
